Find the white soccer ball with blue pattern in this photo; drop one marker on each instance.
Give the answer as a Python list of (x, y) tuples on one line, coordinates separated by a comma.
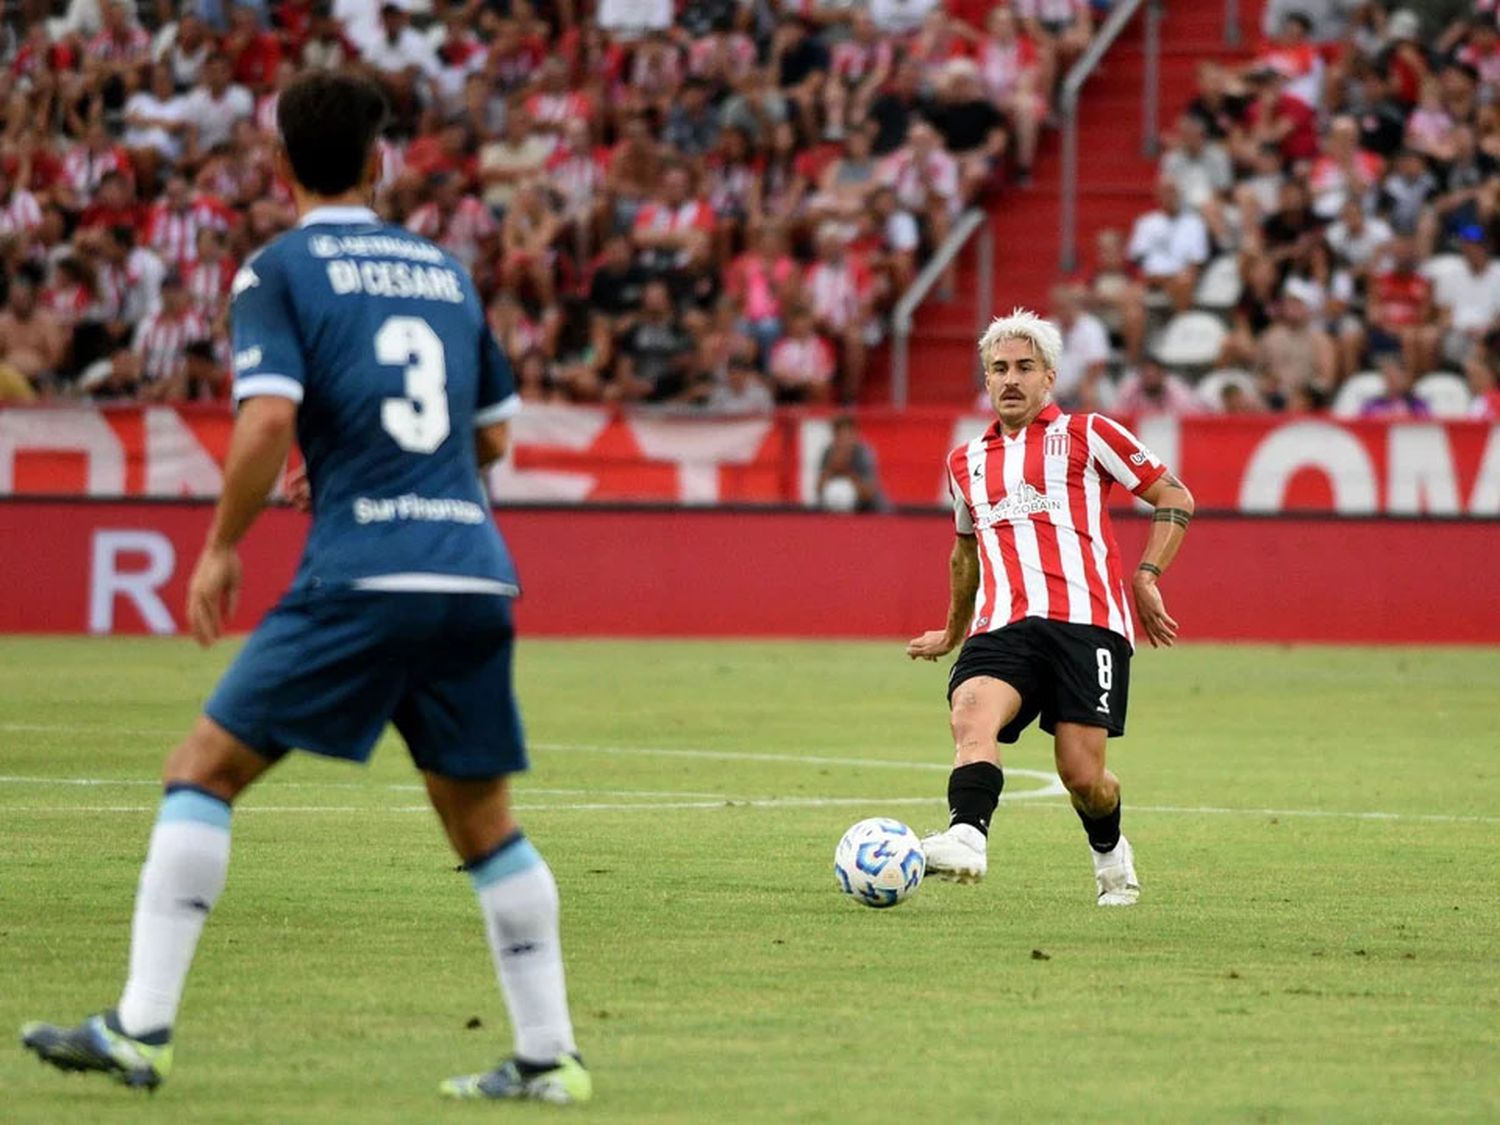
[(879, 862)]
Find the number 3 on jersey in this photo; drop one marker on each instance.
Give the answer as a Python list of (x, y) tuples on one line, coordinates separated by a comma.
[(418, 422)]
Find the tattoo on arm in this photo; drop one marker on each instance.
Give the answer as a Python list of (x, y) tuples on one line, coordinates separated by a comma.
[(1151, 569), (1171, 479), (1180, 516)]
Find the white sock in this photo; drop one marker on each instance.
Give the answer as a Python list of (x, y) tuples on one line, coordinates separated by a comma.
[(180, 882), (519, 899)]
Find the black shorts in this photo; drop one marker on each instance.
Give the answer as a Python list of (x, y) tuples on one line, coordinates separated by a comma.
[(1065, 673)]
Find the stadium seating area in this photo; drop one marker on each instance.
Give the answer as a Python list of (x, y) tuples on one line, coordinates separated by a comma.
[(1325, 231), (709, 203)]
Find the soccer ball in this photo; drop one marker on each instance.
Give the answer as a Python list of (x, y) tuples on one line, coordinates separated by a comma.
[(879, 862)]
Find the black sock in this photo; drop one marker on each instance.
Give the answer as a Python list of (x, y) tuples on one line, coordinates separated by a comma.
[(1104, 831), (973, 793)]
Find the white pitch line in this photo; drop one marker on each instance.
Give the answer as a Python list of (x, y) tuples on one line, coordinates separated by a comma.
[(785, 802), (372, 786)]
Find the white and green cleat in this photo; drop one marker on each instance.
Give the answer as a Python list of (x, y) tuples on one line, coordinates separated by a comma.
[(567, 1082), (99, 1043)]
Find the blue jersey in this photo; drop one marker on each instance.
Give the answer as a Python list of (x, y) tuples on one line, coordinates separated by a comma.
[(379, 336)]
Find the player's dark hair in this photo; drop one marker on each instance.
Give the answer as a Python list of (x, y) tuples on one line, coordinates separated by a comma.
[(328, 124)]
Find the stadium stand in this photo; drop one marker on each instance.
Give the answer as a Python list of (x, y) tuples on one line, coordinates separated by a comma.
[(777, 167), (1349, 187)]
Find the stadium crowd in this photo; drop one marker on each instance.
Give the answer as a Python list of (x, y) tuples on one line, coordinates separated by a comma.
[(1325, 230), (708, 202)]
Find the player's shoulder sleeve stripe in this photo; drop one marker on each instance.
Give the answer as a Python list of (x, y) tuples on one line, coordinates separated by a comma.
[(276, 386), (502, 411)]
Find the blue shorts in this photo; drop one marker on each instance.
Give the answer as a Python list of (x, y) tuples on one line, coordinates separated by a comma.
[(326, 671)]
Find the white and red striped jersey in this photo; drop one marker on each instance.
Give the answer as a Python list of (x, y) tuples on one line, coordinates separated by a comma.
[(852, 61), (160, 341), (173, 234), (839, 293), (1038, 502), (21, 213), (903, 171), (131, 44), (802, 363), (208, 284), (1002, 66), (83, 168), (576, 176), (459, 233), (728, 56), (556, 110)]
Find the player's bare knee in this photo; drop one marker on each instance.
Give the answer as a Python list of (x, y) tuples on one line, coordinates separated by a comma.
[(210, 759)]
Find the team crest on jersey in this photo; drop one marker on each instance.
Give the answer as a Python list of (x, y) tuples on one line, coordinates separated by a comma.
[(1055, 444)]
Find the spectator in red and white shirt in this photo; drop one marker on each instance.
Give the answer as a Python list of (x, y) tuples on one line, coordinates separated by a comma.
[(113, 205), (1293, 56), (1402, 317), (162, 337), (210, 276), (20, 213), (254, 54), (1344, 171), (674, 231), (858, 67), (173, 223), (460, 53), (553, 106), (925, 179), (1152, 389), (121, 43), (759, 282), (575, 171), (940, 40), (802, 362), (86, 164), (722, 57), (531, 226), (840, 292), (456, 221)]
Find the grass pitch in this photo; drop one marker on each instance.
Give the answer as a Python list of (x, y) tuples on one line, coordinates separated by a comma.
[(1318, 938)]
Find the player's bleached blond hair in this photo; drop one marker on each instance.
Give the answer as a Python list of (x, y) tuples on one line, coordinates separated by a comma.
[(1023, 324)]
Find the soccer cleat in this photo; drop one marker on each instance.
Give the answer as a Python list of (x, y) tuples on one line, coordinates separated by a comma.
[(1114, 871), (565, 1083), (99, 1043), (956, 855)]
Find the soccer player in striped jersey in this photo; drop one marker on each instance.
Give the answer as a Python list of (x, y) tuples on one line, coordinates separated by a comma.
[(1040, 603)]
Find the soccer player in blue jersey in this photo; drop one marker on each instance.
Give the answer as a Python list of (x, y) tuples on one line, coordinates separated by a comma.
[(369, 345)]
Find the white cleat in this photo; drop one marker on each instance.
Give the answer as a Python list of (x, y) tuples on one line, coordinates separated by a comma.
[(956, 855), (1114, 871)]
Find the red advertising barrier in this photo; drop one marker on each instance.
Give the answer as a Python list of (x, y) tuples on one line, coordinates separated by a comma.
[(580, 454), (108, 567)]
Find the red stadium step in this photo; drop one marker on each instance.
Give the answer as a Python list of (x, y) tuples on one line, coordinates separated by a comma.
[(1115, 186)]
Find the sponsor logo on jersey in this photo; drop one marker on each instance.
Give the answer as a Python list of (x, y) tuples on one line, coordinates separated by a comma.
[(1023, 503), (250, 357), (323, 246), (1140, 458)]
